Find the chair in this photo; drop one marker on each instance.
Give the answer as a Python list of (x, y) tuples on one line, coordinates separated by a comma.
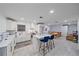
[(45, 46), (51, 41)]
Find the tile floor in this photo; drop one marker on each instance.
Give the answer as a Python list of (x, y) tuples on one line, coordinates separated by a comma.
[(62, 48)]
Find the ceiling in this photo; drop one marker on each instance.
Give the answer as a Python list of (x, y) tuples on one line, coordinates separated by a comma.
[(31, 12)]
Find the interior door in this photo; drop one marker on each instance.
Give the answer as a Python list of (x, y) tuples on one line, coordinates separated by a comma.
[(64, 30)]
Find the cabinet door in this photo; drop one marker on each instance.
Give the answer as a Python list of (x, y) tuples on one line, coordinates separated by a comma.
[(10, 25), (3, 51), (22, 37), (9, 50)]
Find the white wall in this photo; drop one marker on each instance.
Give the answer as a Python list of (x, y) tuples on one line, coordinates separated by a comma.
[(56, 28), (59, 28), (64, 30), (72, 28), (2, 23), (25, 35), (78, 29)]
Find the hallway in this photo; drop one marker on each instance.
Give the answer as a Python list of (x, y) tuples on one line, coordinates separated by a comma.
[(62, 48)]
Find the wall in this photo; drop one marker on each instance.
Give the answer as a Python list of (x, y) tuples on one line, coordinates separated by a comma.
[(2, 23), (64, 30), (56, 28), (59, 28), (72, 28), (78, 29), (25, 35)]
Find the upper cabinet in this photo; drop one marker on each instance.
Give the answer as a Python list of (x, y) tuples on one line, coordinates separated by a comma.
[(10, 25), (6, 24)]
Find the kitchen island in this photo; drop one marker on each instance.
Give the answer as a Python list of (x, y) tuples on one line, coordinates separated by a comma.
[(7, 45)]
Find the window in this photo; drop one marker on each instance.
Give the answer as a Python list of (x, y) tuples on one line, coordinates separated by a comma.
[(20, 27)]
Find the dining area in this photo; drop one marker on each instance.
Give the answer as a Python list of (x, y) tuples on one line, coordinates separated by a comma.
[(43, 42), (46, 43)]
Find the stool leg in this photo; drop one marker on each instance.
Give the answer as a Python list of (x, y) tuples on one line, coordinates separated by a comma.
[(50, 44), (53, 44), (47, 46), (40, 46), (44, 49)]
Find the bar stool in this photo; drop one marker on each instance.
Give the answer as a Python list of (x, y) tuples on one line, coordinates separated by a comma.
[(45, 46), (51, 41)]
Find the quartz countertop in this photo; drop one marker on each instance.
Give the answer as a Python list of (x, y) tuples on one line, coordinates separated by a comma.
[(5, 43)]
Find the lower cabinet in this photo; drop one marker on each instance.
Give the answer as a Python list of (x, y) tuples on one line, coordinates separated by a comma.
[(7, 50), (10, 48), (21, 37), (3, 51)]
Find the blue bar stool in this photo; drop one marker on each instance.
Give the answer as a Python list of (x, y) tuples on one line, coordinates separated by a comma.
[(51, 41), (45, 46)]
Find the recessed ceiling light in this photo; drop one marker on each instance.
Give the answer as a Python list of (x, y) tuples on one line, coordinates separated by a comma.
[(51, 11), (22, 18)]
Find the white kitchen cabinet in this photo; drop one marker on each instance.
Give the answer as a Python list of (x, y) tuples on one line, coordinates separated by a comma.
[(9, 50), (10, 47), (78, 30), (22, 36), (10, 25), (6, 51), (7, 46), (3, 51)]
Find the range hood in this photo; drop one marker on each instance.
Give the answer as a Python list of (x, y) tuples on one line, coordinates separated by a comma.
[(9, 18)]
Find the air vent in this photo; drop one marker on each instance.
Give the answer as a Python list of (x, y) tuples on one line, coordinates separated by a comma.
[(8, 18), (40, 23)]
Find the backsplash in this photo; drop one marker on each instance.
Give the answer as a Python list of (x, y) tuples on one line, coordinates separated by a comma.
[(4, 35), (11, 32)]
